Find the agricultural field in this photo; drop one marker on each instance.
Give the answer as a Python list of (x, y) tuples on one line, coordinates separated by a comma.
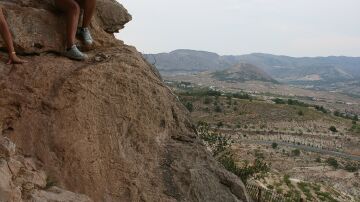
[(287, 146)]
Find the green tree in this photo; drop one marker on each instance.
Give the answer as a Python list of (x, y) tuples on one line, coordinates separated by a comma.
[(279, 101), (220, 147), (290, 102), (321, 108), (296, 152), (333, 129), (351, 167), (218, 109), (274, 145), (247, 170), (220, 124), (337, 113), (287, 180), (208, 100), (300, 113), (332, 162), (189, 106)]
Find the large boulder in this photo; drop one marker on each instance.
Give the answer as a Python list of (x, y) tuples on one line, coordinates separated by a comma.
[(108, 128), (38, 27), (7, 148), (111, 16), (56, 194), (21, 180)]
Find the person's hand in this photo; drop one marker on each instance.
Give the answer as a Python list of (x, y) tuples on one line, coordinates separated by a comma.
[(14, 59)]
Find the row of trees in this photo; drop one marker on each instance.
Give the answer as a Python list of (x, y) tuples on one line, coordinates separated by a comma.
[(337, 113)]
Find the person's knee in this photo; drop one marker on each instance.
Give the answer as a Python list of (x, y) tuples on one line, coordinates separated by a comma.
[(74, 8)]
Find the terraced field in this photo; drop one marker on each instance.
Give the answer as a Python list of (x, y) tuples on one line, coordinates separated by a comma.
[(313, 153)]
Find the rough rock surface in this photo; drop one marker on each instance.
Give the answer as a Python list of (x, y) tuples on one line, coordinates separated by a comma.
[(37, 26), (22, 180), (107, 128)]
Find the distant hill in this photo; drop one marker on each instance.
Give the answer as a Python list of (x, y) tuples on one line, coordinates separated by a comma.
[(282, 68), (187, 60), (307, 69), (243, 72)]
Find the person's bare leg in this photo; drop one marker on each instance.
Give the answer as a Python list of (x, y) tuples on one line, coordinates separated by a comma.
[(72, 12), (89, 10), (6, 35), (84, 32)]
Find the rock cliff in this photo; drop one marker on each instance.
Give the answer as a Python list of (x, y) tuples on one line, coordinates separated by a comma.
[(107, 129)]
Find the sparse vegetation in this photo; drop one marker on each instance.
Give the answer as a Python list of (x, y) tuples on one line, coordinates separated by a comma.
[(279, 101), (200, 92), (305, 188), (321, 109), (353, 117), (220, 124), (297, 102), (296, 152), (50, 182), (220, 147), (300, 113), (218, 109), (355, 128), (333, 129), (325, 196), (208, 100), (216, 142), (290, 121), (332, 162), (189, 106), (287, 180), (351, 167), (242, 95)]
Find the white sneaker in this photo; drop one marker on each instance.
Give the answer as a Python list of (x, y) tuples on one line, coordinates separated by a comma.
[(75, 54), (85, 35)]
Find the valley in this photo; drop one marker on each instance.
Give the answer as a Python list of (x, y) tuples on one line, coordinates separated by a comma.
[(332, 74), (300, 139), (287, 126)]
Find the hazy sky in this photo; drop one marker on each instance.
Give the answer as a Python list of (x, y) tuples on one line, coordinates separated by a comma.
[(288, 27)]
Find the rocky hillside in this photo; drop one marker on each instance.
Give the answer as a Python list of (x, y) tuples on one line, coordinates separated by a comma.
[(187, 60), (290, 69), (242, 72), (107, 129)]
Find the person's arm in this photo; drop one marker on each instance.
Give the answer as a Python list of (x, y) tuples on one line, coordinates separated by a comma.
[(6, 35)]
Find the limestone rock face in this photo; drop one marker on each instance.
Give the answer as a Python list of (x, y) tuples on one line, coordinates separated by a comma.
[(22, 180), (7, 148), (56, 194), (107, 128), (111, 20), (37, 26)]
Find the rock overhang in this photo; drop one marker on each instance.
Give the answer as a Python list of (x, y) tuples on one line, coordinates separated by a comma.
[(38, 27)]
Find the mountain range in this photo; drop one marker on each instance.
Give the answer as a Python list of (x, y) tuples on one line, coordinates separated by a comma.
[(282, 68)]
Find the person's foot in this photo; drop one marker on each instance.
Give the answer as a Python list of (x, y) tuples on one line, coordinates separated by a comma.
[(75, 54), (85, 35), (14, 59)]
